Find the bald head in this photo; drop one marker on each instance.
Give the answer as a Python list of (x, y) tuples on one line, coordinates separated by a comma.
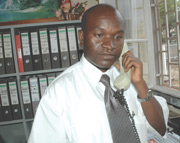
[(99, 11)]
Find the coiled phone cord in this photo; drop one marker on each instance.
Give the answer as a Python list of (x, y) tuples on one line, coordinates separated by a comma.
[(119, 95)]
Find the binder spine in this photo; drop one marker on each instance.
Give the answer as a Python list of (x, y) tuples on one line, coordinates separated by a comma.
[(34, 89), (26, 98), (45, 49), (55, 61), (27, 59), (19, 53), (65, 60), (72, 45), (8, 53), (5, 101), (15, 105), (2, 71), (36, 56)]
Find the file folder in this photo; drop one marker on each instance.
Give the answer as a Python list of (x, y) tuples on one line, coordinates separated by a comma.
[(15, 104), (2, 69), (42, 84), (36, 54), (55, 60), (50, 78), (65, 61), (34, 89), (27, 58), (8, 53), (72, 44), (27, 104), (80, 48), (19, 53), (5, 101), (45, 48), (1, 114)]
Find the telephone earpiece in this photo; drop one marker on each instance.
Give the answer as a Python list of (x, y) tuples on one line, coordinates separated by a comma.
[(124, 79)]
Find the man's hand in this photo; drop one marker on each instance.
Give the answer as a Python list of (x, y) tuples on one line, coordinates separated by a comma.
[(136, 66)]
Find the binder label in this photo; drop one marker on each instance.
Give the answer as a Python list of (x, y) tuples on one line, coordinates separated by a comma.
[(44, 42), (13, 93), (25, 92), (72, 39), (53, 38), (43, 85), (35, 43), (19, 53), (34, 89), (7, 45), (25, 44), (4, 95), (1, 48)]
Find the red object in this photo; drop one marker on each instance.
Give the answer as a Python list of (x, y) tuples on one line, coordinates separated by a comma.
[(19, 53)]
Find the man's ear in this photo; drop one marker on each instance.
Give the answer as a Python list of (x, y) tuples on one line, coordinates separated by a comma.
[(81, 37)]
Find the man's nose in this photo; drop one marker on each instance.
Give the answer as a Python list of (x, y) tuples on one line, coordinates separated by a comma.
[(108, 43)]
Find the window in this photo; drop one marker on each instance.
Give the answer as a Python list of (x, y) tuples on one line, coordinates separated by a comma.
[(166, 14), (136, 34)]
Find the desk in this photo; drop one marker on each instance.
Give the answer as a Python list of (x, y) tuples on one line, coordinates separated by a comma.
[(175, 124)]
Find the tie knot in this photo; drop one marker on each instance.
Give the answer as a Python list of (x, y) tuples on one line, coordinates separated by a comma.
[(105, 80)]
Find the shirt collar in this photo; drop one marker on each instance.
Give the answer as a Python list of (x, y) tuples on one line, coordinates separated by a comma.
[(94, 74)]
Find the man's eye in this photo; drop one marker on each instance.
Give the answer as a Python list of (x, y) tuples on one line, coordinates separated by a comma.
[(99, 35), (118, 37)]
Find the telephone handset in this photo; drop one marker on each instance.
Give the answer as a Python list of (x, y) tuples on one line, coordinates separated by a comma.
[(123, 81)]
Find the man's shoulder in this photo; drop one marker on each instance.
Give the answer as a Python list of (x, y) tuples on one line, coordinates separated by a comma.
[(69, 73)]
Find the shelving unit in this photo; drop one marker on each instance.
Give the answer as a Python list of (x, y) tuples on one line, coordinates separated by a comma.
[(18, 130)]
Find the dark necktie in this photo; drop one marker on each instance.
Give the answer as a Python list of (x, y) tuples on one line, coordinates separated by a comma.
[(121, 127)]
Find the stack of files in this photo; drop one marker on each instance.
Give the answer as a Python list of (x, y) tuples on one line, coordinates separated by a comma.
[(10, 104), (171, 138), (5, 102)]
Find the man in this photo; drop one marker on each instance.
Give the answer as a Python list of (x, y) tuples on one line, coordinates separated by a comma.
[(73, 109)]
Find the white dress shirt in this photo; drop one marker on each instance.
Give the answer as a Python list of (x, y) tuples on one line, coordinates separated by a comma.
[(72, 109)]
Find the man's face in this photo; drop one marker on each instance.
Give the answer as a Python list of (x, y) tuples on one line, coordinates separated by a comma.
[(103, 40)]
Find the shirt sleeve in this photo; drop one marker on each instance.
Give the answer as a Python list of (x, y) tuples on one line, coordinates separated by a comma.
[(48, 123), (165, 110)]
